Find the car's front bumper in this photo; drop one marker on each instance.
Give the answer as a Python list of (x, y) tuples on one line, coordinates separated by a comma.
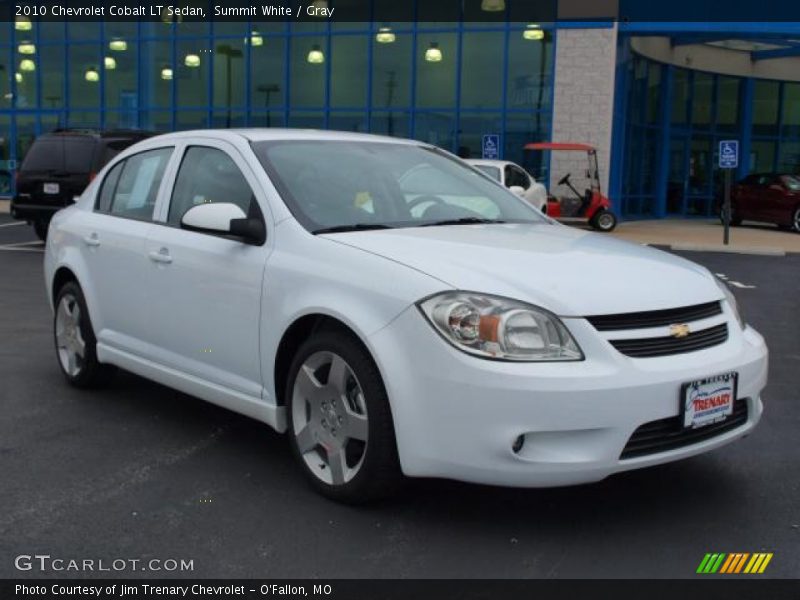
[(457, 416)]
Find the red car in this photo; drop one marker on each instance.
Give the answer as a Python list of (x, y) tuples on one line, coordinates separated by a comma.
[(767, 197)]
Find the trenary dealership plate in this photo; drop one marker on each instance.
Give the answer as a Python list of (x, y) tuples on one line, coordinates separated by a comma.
[(709, 400)]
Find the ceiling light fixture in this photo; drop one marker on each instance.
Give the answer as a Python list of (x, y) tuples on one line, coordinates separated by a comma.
[(433, 54), (315, 55), (533, 32), (23, 24), (385, 35)]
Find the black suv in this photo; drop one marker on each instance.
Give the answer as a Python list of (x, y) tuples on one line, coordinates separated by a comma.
[(59, 166)]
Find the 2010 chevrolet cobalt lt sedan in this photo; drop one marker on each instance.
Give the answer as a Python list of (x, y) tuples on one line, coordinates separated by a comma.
[(395, 312)]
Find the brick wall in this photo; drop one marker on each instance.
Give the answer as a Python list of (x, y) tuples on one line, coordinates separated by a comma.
[(583, 102)]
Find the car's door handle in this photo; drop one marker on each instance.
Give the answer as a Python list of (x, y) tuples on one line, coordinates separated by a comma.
[(162, 256), (91, 240)]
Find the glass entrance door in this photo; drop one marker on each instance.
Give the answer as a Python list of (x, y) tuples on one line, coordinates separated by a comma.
[(678, 169)]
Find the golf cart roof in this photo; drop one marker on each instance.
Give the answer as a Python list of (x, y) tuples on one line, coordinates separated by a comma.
[(559, 146)]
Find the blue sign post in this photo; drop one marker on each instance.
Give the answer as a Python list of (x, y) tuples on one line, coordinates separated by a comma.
[(490, 148), (728, 160)]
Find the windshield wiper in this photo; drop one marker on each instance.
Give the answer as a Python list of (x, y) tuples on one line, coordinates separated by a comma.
[(351, 227), (463, 221)]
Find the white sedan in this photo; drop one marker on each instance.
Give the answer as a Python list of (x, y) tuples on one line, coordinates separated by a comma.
[(394, 312), (515, 178)]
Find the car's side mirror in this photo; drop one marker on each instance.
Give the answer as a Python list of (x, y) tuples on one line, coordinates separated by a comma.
[(517, 189), (224, 218)]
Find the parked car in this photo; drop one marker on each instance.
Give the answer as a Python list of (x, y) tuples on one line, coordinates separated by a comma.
[(515, 178), (58, 167), (766, 197), (312, 281)]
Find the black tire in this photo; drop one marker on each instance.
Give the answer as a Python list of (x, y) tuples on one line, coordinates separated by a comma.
[(40, 227), (379, 474), (795, 226), (90, 373), (604, 220)]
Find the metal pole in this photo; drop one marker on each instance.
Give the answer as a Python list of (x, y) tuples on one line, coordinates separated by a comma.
[(727, 209)]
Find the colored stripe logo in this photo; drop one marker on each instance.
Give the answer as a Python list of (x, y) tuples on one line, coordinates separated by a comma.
[(734, 563)]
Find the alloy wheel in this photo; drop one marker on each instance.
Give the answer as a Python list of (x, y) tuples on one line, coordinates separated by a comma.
[(796, 220), (69, 339), (329, 418)]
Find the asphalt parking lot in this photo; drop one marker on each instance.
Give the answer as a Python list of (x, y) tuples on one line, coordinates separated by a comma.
[(140, 471)]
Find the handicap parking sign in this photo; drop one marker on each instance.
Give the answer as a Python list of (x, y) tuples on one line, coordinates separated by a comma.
[(728, 154), (491, 146)]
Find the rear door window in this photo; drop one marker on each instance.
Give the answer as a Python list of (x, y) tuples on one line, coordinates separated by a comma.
[(109, 187), (135, 194)]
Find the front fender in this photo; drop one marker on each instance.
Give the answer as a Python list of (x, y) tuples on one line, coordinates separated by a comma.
[(313, 275)]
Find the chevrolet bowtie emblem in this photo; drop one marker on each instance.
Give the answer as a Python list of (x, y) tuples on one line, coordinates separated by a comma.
[(679, 330)]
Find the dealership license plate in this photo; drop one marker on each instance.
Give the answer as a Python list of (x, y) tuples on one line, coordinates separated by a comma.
[(51, 188), (709, 400)]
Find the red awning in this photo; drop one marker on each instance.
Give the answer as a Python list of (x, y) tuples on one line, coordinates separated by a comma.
[(559, 146)]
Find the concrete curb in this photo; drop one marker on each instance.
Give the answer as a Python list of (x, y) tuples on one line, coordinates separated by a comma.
[(5, 206), (757, 250)]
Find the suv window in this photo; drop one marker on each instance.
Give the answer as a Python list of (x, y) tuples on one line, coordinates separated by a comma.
[(71, 154), (79, 154), (209, 175), (44, 155), (136, 190)]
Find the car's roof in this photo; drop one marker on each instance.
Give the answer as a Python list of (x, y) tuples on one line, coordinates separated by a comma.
[(274, 134)]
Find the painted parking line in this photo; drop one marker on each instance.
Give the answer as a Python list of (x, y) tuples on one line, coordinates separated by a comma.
[(35, 250), (14, 224), (35, 246), (736, 284)]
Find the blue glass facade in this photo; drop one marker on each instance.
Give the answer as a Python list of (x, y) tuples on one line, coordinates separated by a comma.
[(448, 83), (671, 121)]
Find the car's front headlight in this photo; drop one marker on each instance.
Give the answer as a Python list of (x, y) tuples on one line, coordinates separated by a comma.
[(731, 299), (499, 328)]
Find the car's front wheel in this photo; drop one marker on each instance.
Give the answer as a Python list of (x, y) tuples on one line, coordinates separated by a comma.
[(796, 220), (340, 423), (76, 345)]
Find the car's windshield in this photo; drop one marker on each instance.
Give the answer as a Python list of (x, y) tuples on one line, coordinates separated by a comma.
[(791, 182), (491, 171), (359, 185)]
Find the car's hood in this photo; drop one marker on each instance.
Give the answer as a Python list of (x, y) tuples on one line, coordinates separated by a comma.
[(568, 271)]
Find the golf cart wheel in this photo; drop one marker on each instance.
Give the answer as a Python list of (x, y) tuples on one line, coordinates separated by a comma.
[(604, 220)]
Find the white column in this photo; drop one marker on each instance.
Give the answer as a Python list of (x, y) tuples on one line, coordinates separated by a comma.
[(583, 101)]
